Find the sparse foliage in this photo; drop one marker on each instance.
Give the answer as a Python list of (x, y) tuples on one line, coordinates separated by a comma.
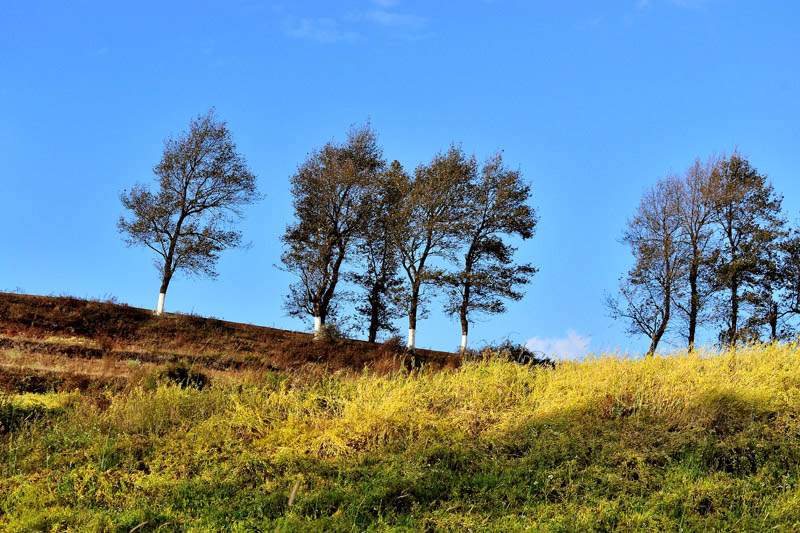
[(787, 287), (428, 222), (649, 288), (731, 249), (332, 194), (495, 206), (377, 259), (203, 184), (747, 213), (695, 212)]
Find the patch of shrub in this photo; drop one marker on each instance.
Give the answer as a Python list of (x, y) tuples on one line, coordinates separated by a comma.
[(328, 333), (183, 374), (516, 353), (394, 343), (14, 416)]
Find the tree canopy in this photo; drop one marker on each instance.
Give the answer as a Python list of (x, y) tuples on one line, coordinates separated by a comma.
[(202, 184), (331, 193)]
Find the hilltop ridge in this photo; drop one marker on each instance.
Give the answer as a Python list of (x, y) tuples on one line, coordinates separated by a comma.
[(62, 341)]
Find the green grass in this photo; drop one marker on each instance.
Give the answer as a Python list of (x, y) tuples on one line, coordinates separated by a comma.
[(705, 442)]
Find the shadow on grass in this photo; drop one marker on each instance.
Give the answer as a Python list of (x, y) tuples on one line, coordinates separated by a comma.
[(725, 461)]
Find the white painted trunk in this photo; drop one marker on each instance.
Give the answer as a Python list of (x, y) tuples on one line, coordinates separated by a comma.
[(317, 325), (463, 342), (160, 308), (411, 337)]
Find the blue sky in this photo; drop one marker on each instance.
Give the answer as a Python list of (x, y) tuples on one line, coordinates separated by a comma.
[(593, 101)]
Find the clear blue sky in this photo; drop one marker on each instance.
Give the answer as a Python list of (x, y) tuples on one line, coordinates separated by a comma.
[(592, 100)]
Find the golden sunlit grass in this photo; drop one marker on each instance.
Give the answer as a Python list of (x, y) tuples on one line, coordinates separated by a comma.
[(82, 341), (695, 442), (107, 367)]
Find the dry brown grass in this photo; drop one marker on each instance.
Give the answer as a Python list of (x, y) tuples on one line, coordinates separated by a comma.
[(64, 336)]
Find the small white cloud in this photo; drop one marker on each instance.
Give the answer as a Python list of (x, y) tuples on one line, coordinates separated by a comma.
[(590, 23), (573, 346), (691, 4), (391, 18), (686, 4), (323, 30), (343, 28), (252, 8)]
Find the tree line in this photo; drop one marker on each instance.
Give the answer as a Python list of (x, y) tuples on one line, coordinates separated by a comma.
[(711, 248), (404, 235), (399, 237)]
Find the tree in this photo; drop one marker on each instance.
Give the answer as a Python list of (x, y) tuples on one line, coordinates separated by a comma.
[(776, 297), (787, 285), (203, 183), (651, 285), (331, 196), (378, 273), (428, 222), (695, 216), (765, 297), (496, 205), (747, 212)]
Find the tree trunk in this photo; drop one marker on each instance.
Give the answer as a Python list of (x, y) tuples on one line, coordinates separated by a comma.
[(322, 305), (694, 304), (734, 318), (464, 330), (773, 320), (374, 316), (465, 302), (412, 318), (162, 294), (656, 338), (319, 319), (168, 262)]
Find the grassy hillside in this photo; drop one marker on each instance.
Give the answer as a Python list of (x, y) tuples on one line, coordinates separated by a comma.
[(62, 343), (704, 442)]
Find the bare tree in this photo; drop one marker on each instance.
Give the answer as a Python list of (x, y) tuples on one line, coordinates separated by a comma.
[(695, 212), (747, 213), (650, 287), (203, 183), (496, 206), (331, 191), (428, 222)]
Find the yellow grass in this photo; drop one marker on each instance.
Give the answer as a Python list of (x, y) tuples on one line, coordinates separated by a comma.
[(701, 441)]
